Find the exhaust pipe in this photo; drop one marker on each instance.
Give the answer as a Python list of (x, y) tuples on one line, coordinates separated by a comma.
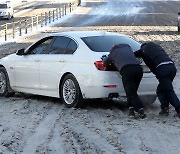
[(113, 95)]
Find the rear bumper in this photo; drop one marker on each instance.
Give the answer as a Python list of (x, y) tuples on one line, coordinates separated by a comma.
[(95, 88)]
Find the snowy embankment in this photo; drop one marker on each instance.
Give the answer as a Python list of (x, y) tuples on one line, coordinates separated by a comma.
[(39, 29)]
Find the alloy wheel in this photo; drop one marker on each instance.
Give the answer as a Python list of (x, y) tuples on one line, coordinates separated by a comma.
[(69, 91), (2, 83)]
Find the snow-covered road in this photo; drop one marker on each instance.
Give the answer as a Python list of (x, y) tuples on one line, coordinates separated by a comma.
[(36, 124)]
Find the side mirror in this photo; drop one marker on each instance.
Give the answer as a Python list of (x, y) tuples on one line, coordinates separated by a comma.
[(20, 52)]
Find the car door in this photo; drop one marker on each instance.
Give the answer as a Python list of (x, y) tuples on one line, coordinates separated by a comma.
[(27, 66), (53, 62)]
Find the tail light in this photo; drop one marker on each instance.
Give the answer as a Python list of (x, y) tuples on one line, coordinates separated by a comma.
[(110, 86), (100, 66)]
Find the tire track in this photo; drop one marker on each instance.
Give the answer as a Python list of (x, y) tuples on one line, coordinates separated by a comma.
[(42, 130), (67, 140), (91, 132), (56, 144)]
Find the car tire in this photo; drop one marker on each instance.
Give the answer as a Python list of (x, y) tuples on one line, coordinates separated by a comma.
[(70, 92), (9, 16), (148, 100), (5, 89)]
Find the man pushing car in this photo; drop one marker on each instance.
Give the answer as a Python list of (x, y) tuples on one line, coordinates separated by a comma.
[(163, 67), (123, 58)]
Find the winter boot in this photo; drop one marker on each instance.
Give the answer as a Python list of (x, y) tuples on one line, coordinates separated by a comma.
[(131, 112), (178, 113), (164, 111), (141, 113)]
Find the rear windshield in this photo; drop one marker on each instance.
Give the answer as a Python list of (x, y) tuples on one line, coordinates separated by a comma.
[(3, 6), (105, 43)]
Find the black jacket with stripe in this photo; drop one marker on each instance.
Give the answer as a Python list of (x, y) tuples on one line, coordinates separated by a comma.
[(152, 54)]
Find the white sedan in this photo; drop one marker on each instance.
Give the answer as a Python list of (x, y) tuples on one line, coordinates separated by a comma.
[(68, 65), (6, 10)]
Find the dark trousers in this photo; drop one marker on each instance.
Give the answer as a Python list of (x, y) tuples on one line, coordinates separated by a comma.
[(131, 77), (165, 91)]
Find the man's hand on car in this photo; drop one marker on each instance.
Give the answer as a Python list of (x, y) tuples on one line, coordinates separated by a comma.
[(103, 57)]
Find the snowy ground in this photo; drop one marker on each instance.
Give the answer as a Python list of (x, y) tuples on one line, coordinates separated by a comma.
[(36, 124)]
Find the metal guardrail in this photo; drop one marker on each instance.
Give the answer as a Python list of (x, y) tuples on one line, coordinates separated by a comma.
[(29, 24), (178, 21), (79, 2)]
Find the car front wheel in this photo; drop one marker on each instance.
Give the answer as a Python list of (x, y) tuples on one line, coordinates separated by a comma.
[(70, 92), (9, 16), (5, 89)]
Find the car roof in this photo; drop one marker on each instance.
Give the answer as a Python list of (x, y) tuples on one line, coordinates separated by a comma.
[(81, 34)]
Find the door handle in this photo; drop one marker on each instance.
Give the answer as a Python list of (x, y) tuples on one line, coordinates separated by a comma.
[(61, 60), (37, 60)]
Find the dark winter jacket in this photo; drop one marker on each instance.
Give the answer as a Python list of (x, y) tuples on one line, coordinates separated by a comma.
[(121, 55), (152, 54)]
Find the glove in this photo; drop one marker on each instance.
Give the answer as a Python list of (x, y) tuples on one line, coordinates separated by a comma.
[(103, 57)]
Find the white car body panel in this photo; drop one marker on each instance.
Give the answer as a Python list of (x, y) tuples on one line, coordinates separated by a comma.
[(27, 71), (41, 74), (51, 72)]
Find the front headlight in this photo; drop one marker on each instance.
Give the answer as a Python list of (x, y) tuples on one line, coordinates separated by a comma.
[(4, 13)]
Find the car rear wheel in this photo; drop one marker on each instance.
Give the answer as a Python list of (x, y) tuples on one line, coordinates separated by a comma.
[(5, 89), (148, 100), (70, 92)]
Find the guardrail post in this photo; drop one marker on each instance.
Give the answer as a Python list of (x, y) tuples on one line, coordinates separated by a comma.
[(13, 30), (62, 10), (49, 16), (20, 28), (32, 23), (70, 5), (56, 14), (37, 22), (65, 9), (5, 32), (59, 12), (41, 20), (53, 15), (179, 22), (79, 2), (25, 25), (45, 18)]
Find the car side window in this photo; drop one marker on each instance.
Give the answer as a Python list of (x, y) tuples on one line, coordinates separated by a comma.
[(59, 45), (40, 46), (71, 48)]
